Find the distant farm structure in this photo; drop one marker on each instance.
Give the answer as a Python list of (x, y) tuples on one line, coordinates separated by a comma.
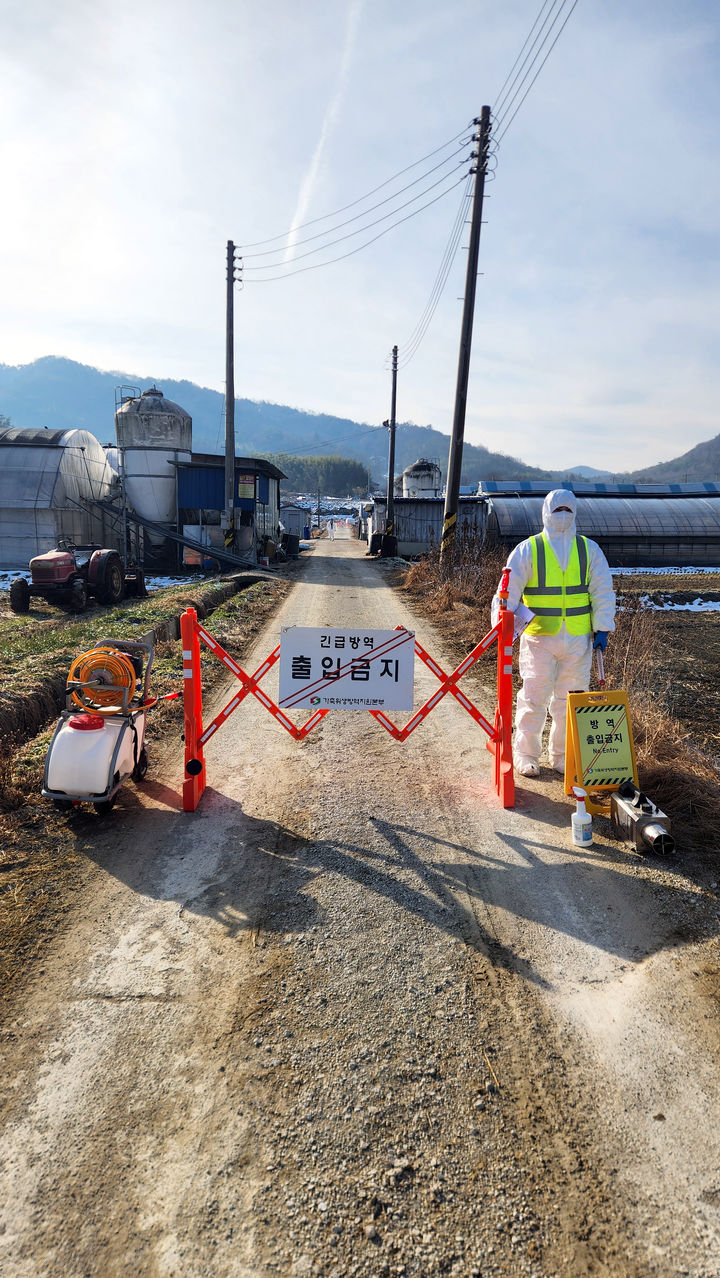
[(148, 487), (636, 525)]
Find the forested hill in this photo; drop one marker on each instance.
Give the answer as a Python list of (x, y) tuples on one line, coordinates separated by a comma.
[(331, 476), (701, 463), (62, 394)]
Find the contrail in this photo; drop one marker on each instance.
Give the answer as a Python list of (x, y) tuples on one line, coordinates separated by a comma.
[(308, 182)]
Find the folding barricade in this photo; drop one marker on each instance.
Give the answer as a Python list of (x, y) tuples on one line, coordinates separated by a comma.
[(499, 733)]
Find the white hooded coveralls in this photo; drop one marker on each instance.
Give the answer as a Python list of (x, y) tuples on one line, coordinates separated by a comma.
[(553, 665)]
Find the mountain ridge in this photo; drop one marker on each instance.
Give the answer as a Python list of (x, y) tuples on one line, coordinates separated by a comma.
[(62, 393), (58, 392)]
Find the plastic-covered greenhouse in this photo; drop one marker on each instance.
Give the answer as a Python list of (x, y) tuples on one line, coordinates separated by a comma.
[(673, 525), (46, 477)]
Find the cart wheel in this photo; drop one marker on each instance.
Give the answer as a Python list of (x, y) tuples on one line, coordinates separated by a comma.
[(139, 772), (63, 805), (106, 806)]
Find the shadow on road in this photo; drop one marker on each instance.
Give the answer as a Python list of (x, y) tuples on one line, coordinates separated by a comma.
[(256, 875)]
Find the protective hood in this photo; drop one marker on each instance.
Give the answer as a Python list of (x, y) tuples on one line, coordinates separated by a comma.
[(562, 521), (559, 525)]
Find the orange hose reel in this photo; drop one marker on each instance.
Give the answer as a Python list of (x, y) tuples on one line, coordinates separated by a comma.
[(107, 679)]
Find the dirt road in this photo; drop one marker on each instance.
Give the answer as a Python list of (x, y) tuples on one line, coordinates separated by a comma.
[(351, 1017)]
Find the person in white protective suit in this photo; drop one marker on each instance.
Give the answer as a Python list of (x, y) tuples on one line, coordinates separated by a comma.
[(566, 582)]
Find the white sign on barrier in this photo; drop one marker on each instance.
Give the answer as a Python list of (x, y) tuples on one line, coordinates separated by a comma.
[(348, 669)]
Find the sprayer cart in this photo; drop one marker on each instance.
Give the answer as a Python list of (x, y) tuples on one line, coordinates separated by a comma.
[(99, 740)]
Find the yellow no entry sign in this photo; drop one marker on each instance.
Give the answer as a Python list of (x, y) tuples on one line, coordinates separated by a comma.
[(599, 748)]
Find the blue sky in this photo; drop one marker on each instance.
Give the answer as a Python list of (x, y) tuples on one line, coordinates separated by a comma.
[(141, 135)]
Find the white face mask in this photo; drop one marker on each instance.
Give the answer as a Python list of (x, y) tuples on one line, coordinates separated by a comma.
[(561, 520)]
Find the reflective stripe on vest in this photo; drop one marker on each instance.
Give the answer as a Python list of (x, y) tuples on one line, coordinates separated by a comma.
[(556, 596)]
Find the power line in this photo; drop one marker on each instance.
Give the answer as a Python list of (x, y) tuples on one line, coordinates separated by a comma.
[(535, 45), (353, 203), (341, 257), (507, 77), (509, 104), (326, 443), (411, 346), (267, 266), (340, 225)]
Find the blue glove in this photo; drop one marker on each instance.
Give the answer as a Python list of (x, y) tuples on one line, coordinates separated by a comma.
[(600, 639)]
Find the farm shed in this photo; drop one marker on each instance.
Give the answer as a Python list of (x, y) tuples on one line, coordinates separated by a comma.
[(419, 520), (256, 496)]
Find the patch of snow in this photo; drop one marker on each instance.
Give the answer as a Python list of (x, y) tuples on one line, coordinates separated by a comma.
[(157, 583), (659, 572), (698, 605), (152, 583)]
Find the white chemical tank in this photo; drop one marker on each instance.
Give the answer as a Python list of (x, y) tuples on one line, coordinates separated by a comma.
[(88, 763), (153, 434), (422, 479)]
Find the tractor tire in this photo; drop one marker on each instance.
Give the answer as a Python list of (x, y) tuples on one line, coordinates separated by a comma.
[(19, 595), (112, 589), (79, 597)]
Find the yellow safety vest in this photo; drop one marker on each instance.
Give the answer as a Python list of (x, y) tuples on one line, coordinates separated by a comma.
[(556, 596)]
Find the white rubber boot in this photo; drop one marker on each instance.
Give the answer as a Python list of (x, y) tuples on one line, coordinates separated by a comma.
[(527, 767)]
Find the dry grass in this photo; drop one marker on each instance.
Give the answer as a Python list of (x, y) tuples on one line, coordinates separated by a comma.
[(671, 767), (41, 857)]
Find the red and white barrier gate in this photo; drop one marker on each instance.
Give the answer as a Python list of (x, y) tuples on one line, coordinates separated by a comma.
[(499, 733)]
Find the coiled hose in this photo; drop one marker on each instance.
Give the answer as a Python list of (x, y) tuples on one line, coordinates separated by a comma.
[(102, 680)]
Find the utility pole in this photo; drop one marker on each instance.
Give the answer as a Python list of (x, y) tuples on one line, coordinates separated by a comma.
[(390, 506), (229, 518), (452, 490)]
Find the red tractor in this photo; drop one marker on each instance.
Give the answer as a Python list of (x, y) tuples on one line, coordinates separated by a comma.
[(70, 575)]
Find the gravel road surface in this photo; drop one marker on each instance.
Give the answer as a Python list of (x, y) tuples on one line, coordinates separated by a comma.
[(352, 1018)]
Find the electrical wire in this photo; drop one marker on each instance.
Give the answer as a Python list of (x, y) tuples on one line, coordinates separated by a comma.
[(341, 257), (267, 266), (503, 86), (411, 346), (531, 54), (340, 225), (514, 99), (327, 443), (353, 203)]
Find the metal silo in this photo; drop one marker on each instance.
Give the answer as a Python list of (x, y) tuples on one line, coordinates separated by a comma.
[(422, 479), (153, 434)]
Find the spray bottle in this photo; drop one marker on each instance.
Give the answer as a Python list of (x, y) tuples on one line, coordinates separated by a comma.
[(581, 820)]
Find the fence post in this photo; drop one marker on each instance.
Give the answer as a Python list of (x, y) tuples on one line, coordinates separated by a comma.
[(194, 775), (504, 778)]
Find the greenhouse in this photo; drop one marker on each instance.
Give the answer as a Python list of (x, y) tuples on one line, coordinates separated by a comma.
[(47, 477), (636, 525)]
